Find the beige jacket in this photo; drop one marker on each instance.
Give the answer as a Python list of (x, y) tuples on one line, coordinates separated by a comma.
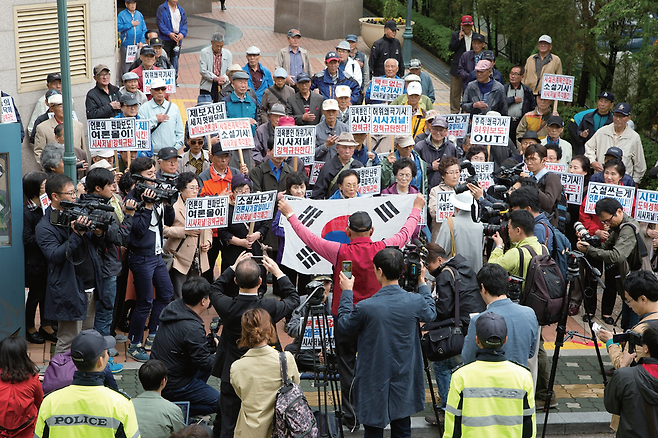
[(185, 166), (257, 390), (283, 60), (184, 254), (46, 134), (630, 144), (554, 67)]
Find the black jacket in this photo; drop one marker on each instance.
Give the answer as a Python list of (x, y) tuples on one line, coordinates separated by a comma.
[(181, 344), (529, 102), (588, 123), (230, 253), (141, 240), (98, 101), (383, 49), (457, 47), (321, 189), (35, 262), (625, 394), (295, 108), (39, 120), (231, 307), (470, 300)]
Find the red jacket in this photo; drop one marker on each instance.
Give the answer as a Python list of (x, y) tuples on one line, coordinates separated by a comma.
[(20, 404)]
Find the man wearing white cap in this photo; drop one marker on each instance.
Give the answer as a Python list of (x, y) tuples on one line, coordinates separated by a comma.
[(106, 155), (425, 102), (328, 130), (260, 78), (45, 131), (414, 93), (131, 85), (465, 236), (214, 61), (166, 124), (485, 94), (347, 64), (277, 93), (541, 63), (343, 95), (265, 131)]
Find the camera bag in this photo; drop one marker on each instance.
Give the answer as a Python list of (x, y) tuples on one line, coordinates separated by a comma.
[(444, 339)]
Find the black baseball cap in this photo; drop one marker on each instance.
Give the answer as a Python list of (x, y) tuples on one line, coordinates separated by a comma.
[(53, 77), (128, 99), (623, 108), (607, 95), (491, 330), (555, 120), (147, 50), (216, 150), (390, 24), (51, 93), (168, 153), (156, 42), (488, 55), (303, 76), (614, 151), (88, 345), (478, 37), (359, 222)]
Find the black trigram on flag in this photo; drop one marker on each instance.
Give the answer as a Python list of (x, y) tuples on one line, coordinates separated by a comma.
[(310, 215), (308, 257), (387, 211)]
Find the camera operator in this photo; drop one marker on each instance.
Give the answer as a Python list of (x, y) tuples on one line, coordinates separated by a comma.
[(527, 198), (74, 271), (452, 275), (145, 245), (549, 184), (624, 248), (389, 386), (246, 273), (461, 235), (184, 348)]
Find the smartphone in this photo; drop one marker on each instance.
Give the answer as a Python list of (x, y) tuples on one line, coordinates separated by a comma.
[(257, 259), (596, 327), (346, 268)]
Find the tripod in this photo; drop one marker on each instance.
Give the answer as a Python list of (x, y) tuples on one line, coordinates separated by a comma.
[(324, 374), (435, 405), (573, 274)]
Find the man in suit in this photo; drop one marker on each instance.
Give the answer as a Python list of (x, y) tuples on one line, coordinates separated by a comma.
[(213, 63), (305, 107), (459, 43), (246, 273)]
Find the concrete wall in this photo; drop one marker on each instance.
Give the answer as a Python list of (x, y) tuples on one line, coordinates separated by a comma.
[(319, 19), (102, 33)]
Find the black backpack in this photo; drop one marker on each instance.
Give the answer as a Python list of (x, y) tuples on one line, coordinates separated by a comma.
[(545, 291), (560, 207)]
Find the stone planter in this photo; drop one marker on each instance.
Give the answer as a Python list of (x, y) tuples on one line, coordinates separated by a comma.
[(372, 32)]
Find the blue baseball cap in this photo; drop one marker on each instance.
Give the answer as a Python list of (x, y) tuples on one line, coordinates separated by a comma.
[(607, 95), (331, 56), (303, 76), (351, 38), (623, 108)]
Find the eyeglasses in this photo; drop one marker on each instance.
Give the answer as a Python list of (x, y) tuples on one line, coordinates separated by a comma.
[(71, 193), (350, 186), (404, 175), (103, 75), (607, 221), (453, 172), (196, 142), (242, 192), (159, 89)]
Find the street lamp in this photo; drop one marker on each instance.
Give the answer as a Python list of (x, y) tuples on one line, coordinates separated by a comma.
[(407, 35)]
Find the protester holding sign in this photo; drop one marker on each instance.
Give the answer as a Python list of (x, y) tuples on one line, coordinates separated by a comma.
[(390, 72), (131, 86), (449, 169), (434, 148), (325, 185), (148, 58), (536, 120), (554, 128), (485, 94), (328, 131), (166, 124), (404, 171), (541, 63)]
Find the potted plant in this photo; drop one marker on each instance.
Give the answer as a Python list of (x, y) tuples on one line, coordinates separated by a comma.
[(372, 28)]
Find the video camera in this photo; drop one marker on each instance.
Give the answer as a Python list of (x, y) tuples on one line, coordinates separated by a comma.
[(99, 214), (508, 176), (515, 290), (315, 290), (215, 324), (584, 235), (633, 338), (497, 210), (165, 190), (414, 255), (471, 179)]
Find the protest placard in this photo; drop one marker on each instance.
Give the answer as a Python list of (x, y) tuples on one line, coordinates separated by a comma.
[(235, 134), (45, 202), (168, 75), (315, 172), (444, 208), (369, 180), (315, 332), (457, 125), (490, 130), (116, 134), (557, 87), (8, 112), (131, 53), (386, 89), (202, 120), (646, 206), (391, 119), (206, 212), (142, 135), (252, 207), (308, 160), (573, 187), (555, 167), (483, 173), (294, 141), (596, 191), (360, 119)]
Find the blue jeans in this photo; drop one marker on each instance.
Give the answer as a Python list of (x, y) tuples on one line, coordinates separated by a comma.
[(103, 320), (400, 428), (202, 397), (148, 271), (443, 373)]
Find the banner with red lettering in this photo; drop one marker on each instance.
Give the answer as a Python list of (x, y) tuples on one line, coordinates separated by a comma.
[(391, 119), (202, 120), (294, 141), (490, 130), (557, 87), (646, 206), (235, 134), (369, 180), (252, 207), (115, 134), (206, 212), (386, 89)]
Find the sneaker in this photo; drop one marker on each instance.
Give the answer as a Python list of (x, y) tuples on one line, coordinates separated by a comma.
[(137, 352), (113, 352), (121, 339), (431, 419), (149, 342), (114, 367)]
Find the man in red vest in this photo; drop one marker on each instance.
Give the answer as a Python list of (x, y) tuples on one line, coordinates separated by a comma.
[(360, 251)]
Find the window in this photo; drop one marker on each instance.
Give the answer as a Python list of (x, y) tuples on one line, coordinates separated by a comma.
[(37, 43)]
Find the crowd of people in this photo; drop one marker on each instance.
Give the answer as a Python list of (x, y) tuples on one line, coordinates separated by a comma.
[(135, 268)]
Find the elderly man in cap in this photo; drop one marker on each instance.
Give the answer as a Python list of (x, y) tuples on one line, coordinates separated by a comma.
[(239, 104), (277, 93), (487, 55), (341, 159), (196, 159), (554, 128), (384, 48), (214, 61), (598, 118), (359, 57), (328, 130), (470, 58), (391, 66), (348, 65), (537, 119), (414, 94), (343, 97), (130, 108), (131, 86), (293, 58), (621, 135), (493, 395), (520, 99), (102, 101), (53, 82), (460, 42), (305, 107), (361, 251), (161, 59), (131, 27), (45, 132), (325, 81), (168, 160), (43, 116), (541, 63), (434, 148), (266, 131), (147, 56), (166, 124), (228, 88), (404, 148), (172, 26), (485, 94), (260, 78), (425, 103), (87, 407), (415, 68)]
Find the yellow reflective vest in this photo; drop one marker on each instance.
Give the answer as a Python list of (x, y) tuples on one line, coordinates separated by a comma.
[(490, 398)]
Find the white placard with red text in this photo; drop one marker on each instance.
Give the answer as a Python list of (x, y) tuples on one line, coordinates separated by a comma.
[(131, 53), (45, 202), (252, 207), (386, 89), (235, 134), (444, 208), (206, 212), (360, 119), (202, 120), (369, 180), (315, 172), (115, 134), (555, 167), (8, 112), (557, 87), (572, 185), (294, 141), (168, 75), (624, 194), (391, 119), (490, 130), (458, 125), (646, 206), (483, 174)]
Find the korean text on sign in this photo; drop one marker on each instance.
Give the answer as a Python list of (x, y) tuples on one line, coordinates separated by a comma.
[(8, 113), (169, 76), (294, 141), (360, 118), (458, 124), (202, 120), (596, 191), (253, 207), (314, 333), (394, 119), (315, 172), (646, 206), (483, 174), (206, 212), (444, 208), (369, 180), (573, 187), (386, 89), (555, 167), (490, 130), (557, 87), (235, 134), (142, 135), (116, 134), (131, 53)]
